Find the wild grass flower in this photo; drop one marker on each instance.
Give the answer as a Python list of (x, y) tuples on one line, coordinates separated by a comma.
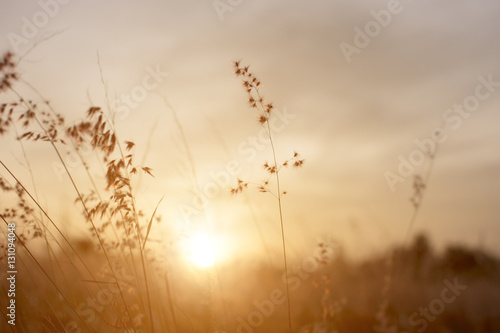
[(118, 212), (264, 112)]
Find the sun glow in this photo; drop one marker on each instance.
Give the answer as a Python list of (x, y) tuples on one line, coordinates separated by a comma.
[(201, 251)]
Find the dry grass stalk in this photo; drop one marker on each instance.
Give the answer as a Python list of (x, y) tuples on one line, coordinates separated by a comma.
[(264, 111)]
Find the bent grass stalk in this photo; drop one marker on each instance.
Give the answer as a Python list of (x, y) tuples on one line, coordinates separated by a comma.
[(50, 135), (48, 276), (48, 126), (104, 140), (80, 197), (118, 174), (66, 240), (132, 200)]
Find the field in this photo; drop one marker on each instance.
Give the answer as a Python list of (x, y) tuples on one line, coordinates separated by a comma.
[(278, 188)]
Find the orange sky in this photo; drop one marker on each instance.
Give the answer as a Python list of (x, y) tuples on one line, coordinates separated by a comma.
[(352, 114)]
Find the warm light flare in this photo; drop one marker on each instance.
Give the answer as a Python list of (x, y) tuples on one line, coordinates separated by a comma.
[(201, 251)]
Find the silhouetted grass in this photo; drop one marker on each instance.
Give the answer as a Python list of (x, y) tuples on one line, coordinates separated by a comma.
[(112, 280)]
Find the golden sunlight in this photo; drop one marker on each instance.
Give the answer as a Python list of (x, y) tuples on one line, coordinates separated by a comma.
[(201, 251), (249, 166)]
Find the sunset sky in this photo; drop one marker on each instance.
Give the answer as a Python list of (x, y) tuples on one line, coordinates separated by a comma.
[(351, 114)]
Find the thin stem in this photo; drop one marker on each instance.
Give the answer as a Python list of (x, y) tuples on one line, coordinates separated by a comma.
[(80, 197), (48, 277), (171, 305), (279, 194), (76, 149), (282, 229), (132, 198)]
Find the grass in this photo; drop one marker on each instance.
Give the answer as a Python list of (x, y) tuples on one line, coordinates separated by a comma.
[(115, 279), (265, 112)]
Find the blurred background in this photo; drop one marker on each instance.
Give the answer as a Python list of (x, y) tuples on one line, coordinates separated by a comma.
[(353, 116), (356, 86)]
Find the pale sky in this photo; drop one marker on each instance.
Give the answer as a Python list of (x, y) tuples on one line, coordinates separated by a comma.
[(353, 118)]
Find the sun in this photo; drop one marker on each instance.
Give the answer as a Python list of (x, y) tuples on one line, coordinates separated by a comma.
[(200, 250)]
